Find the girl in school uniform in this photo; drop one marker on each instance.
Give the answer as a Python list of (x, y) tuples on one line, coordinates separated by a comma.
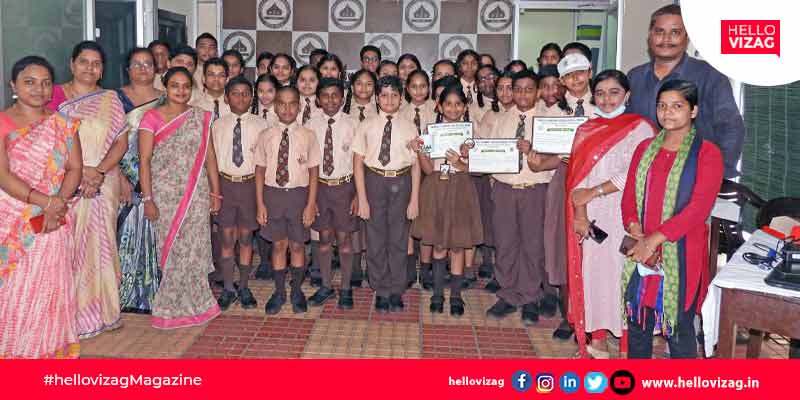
[(265, 88), (331, 66), (487, 75), (386, 68), (406, 64), (442, 68), (467, 64), (449, 217), (307, 80), (283, 68)]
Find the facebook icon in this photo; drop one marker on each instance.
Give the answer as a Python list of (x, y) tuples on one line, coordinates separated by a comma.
[(570, 382), (521, 381)]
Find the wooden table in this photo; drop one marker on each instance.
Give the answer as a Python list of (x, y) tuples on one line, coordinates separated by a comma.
[(761, 312)]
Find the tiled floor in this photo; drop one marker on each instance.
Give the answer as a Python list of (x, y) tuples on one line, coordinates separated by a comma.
[(327, 332)]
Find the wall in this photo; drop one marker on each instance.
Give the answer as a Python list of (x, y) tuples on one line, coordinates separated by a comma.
[(636, 24), (538, 28), (207, 17), (397, 26)]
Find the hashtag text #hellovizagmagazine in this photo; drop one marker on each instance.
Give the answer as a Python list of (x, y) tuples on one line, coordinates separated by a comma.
[(479, 381), (122, 382)]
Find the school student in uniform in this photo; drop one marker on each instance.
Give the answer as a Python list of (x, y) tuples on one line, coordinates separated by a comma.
[(287, 166), (307, 80), (235, 62), (387, 181), (207, 48), (185, 56), (388, 68), (467, 64), (576, 73), (283, 67), (449, 217), (370, 58), (519, 203), (235, 136), (336, 197), (486, 77), (442, 68), (212, 99)]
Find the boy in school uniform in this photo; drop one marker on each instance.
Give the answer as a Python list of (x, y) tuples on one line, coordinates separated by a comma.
[(207, 48), (235, 136), (287, 168), (519, 205), (212, 99), (336, 197), (387, 178)]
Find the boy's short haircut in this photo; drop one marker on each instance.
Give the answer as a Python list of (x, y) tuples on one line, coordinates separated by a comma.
[(389, 81), (367, 48), (235, 53), (288, 88), (525, 74), (238, 80), (205, 35), (159, 42), (317, 52), (215, 61), (547, 71), (184, 51), (330, 82)]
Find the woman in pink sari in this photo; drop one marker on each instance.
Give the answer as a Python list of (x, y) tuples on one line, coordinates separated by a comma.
[(598, 168), (40, 168), (180, 185), (104, 141)]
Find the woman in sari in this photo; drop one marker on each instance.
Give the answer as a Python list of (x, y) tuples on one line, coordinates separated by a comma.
[(40, 168), (180, 184), (104, 141), (671, 187), (601, 153), (135, 234)]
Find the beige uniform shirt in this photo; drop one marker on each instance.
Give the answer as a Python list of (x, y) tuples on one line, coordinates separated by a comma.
[(205, 101), (506, 128), (369, 136), (588, 108), (344, 129), (369, 109), (427, 113), (271, 117), (252, 126), (312, 101), (484, 129), (303, 154)]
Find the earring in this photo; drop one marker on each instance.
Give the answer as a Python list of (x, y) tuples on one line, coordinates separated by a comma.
[(14, 96)]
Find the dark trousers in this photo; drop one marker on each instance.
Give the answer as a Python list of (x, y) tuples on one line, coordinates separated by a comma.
[(682, 344), (387, 232), (519, 239)]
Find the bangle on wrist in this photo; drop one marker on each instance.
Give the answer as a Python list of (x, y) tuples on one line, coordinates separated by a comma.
[(214, 195), (145, 199), (28, 197), (599, 190), (49, 202), (100, 171)]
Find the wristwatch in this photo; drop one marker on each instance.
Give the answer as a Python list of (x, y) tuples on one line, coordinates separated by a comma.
[(145, 199), (599, 189)]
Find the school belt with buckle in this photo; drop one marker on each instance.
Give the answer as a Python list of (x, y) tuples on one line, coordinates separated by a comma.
[(337, 181), (519, 186), (237, 179), (390, 174)]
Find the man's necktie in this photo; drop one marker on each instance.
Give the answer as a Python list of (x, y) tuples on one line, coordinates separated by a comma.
[(579, 112), (386, 143), (238, 156), (307, 110), (282, 174), (417, 121), (327, 157), (361, 115), (521, 133), (216, 109)]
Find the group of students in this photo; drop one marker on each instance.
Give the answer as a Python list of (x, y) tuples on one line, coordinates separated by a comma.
[(314, 154)]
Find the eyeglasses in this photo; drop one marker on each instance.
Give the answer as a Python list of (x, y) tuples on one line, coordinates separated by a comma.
[(141, 65)]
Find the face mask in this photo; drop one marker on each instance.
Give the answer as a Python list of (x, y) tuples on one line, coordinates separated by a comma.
[(613, 114)]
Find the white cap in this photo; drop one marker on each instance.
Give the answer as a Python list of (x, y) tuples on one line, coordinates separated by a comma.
[(573, 62)]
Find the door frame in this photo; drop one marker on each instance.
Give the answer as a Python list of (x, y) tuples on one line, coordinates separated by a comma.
[(604, 5), (146, 20)]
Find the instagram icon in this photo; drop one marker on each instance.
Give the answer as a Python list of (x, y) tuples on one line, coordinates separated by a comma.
[(545, 383)]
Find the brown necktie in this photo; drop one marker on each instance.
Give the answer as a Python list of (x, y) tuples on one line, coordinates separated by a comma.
[(386, 142), (238, 155), (416, 120), (521, 133), (264, 113), (469, 94), (307, 111), (579, 112), (216, 109), (282, 174), (361, 115), (327, 158)]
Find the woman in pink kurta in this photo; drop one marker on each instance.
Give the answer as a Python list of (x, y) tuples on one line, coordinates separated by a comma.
[(598, 168)]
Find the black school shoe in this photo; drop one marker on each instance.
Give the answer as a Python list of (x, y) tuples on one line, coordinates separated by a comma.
[(381, 304), (485, 271), (299, 304), (227, 298), (468, 281), (354, 283), (548, 306), (501, 309), (493, 286), (264, 272), (275, 303), (437, 304), (321, 296), (246, 299), (530, 313), (564, 331), (345, 299), (396, 303), (456, 306)]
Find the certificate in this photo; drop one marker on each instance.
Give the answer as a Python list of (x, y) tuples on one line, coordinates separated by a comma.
[(494, 156), (443, 137), (555, 135)]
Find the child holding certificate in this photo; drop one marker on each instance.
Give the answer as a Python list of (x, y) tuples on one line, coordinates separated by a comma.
[(576, 73), (449, 219)]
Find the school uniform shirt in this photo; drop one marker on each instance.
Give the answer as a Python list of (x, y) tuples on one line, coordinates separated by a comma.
[(369, 110), (427, 113), (312, 102), (476, 112), (506, 128), (588, 108), (252, 126), (198, 76), (370, 134), (344, 130), (270, 116), (158, 82), (205, 101), (303, 154), (489, 121), (542, 110), (470, 88)]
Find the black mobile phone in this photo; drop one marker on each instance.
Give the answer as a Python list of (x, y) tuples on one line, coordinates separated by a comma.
[(597, 234)]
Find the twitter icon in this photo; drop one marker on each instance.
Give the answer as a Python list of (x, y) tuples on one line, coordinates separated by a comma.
[(595, 382)]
